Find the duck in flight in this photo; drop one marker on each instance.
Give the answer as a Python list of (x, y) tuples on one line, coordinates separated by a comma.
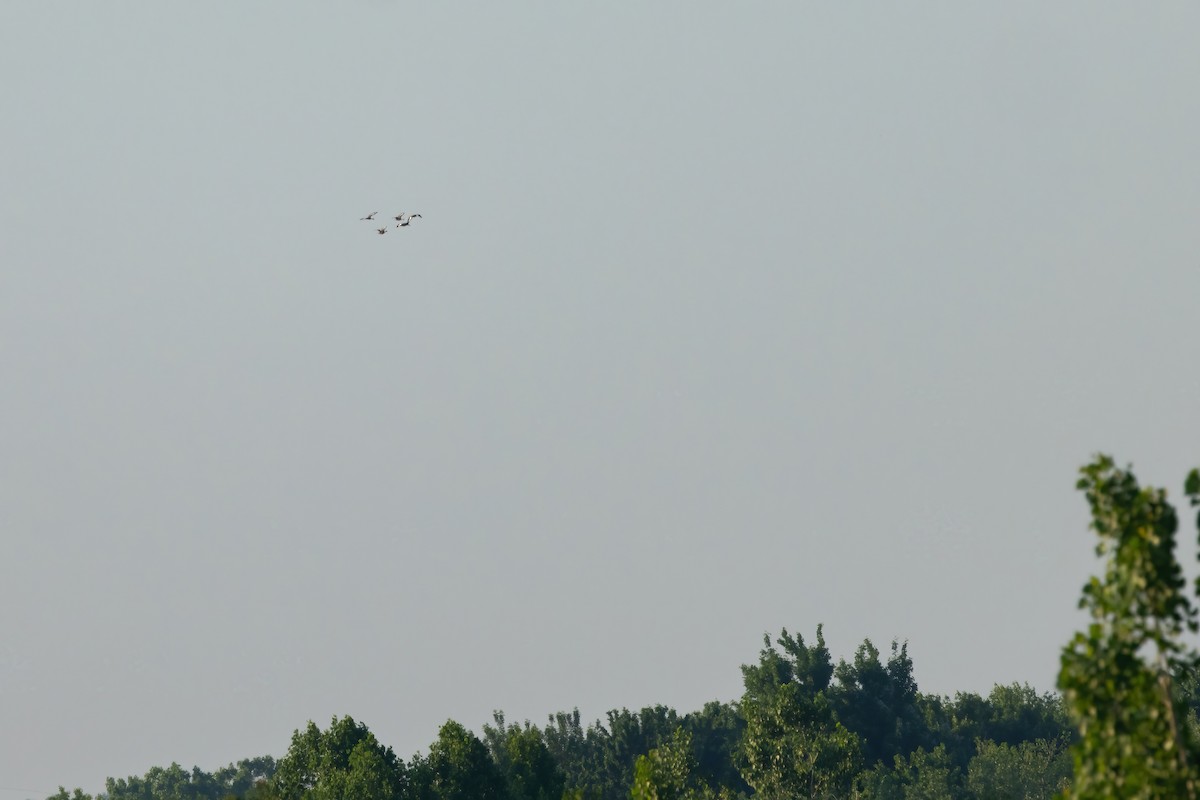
[(403, 220)]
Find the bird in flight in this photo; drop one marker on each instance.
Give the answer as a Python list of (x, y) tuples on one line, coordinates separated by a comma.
[(403, 220)]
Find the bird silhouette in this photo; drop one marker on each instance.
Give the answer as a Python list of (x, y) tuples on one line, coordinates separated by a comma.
[(403, 220)]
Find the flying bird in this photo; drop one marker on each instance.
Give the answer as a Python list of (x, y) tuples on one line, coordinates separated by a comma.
[(403, 220)]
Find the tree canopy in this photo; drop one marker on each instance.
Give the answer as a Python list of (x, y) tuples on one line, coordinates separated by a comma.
[(1126, 724)]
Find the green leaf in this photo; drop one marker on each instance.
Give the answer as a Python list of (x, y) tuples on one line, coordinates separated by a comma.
[(1191, 486)]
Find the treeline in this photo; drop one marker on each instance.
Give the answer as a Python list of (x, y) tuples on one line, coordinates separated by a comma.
[(1125, 726), (805, 727)]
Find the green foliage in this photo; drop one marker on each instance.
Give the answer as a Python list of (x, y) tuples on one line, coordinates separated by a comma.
[(878, 703), (1007, 715), (716, 732), (928, 775), (806, 668), (345, 762), (175, 783), (600, 761), (627, 736), (261, 790), (793, 746), (922, 775), (77, 794), (529, 770), (1117, 677), (799, 731), (667, 771), (1017, 713), (163, 783), (458, 767), (785, 739), (567, 741), (1027, 771), (1191, 488)]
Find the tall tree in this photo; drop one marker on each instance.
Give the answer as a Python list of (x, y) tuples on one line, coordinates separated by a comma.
[(928, 775), (237, 780), (1007, 715), (175, 783), (878, 702), (626, 736), (458, 767), (793, 746), (1018, 713), (1116, 677), (716, 732), (809, 668), (567, 741), (529, 770), (344, 762), (667, 771), (76, 794), (1036, 770)]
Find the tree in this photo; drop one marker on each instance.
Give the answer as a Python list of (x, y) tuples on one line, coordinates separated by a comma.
[(793, 746), (1117, 677), (922, 775), (1017, 713), (568, 743), (345, 762), (667, 771), (879, 703), (175, 783), (242, 778), (599, 762), (458, 767), (808, 668), (1007, 715), (529, 770), (1034, 770), (62, 794), (165, 783), (928, 775), (716, 731), (617, 745)]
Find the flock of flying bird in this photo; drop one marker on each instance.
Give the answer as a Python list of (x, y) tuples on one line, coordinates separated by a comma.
[(403, 220)]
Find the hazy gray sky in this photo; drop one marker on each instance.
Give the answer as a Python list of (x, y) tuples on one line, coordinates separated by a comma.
[(719, 318)]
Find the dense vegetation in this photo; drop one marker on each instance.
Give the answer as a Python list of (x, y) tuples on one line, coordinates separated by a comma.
[(805, 727)]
